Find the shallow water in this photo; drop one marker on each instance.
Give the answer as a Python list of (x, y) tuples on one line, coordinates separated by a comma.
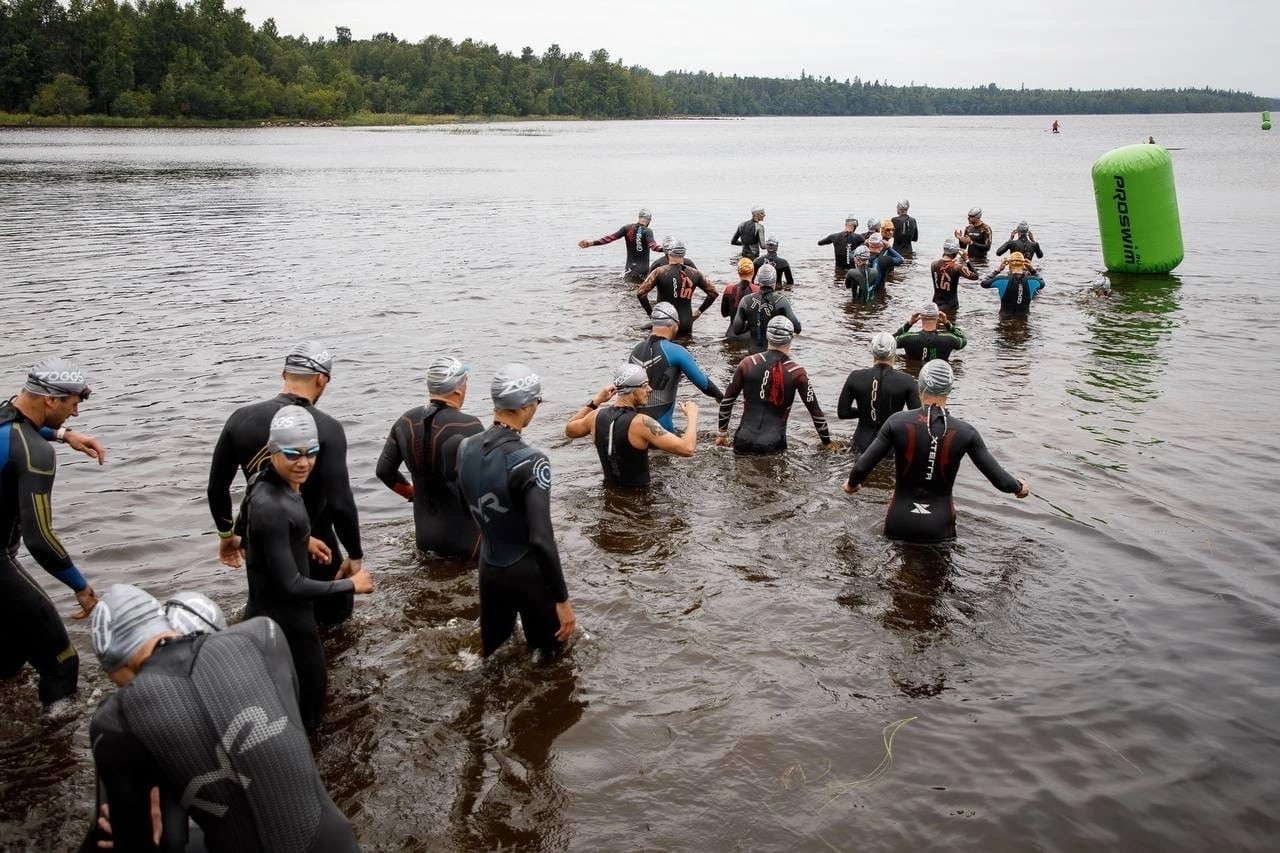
[(758, 667)]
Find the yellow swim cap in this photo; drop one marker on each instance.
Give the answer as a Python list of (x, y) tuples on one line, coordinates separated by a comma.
[(746, 267)]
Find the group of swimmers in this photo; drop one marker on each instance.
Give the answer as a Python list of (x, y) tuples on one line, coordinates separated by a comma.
[(205, 744)]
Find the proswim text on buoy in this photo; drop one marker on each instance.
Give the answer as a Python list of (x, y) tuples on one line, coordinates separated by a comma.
[(1137, 205)]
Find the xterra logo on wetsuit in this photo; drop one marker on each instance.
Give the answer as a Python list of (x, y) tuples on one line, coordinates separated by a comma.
[(262, 731)]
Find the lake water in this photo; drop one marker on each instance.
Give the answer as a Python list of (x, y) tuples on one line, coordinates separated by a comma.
[(1094, 667)]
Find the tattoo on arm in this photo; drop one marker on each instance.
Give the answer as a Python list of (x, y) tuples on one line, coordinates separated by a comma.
[(655, 429)]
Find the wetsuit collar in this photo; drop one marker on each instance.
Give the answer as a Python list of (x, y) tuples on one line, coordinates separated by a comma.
[(293, 399)]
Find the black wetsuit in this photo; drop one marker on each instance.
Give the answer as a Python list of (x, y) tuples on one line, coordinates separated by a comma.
[(212, 720), (327, 492), (924, 346), (755, 312), (729, 302), (979, 239), (425, 439), (873, 394), (663, 260), (665, 362), (921, 509), (275, 527), (780, 266), (844, 242), (769, 382), (31, 630), (905, 232), (623, 465), (676, 284), (946, 276), (750, 235), (507, 486), (1017, 293), (1028, 247), (864, 283), (638, 240)]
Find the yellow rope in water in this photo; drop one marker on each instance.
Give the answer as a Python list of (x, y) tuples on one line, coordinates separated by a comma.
[(887, 734)]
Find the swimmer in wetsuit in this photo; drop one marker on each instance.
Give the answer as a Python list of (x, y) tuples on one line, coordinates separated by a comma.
[(883, 257), (211, 720), (331, 506), (734, 294), (769, 382), (623, 435), (507, 486), (276, 529), (930, 342), (874, 393), (905, 229), (667, 258), (426, 439), (975, 237), (1022, 240), (665, 361), (31, 629), (676, 283), (757, 309), (638, 238), (844, 242), (863, 279), (946, 273), (780, 265), (1022, 286), (750, 234), (929, 445)]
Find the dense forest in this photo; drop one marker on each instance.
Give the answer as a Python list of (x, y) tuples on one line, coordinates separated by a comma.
[(202, 60)]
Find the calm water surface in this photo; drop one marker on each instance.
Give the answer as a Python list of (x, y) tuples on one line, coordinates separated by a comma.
[(759, 669)]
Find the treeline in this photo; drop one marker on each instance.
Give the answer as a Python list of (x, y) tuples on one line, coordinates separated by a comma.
[(201, 60)]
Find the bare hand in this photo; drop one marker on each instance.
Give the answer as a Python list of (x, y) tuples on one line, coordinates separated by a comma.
[(229, 551), (584, 244), (722, 440), (349, 567), (568, 622), (86, 444), (1023, 489), (690, 410), (848, 489), (605, 394), (362, 581), (942, 317), (318, 550), (87, 600), (915, 315)]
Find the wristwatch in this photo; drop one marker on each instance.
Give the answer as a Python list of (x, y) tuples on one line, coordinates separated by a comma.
[(60, 434), (592, 404)]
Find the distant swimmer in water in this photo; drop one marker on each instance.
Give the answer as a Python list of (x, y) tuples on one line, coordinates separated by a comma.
[(623, 435), (750, 234), (667, 258), (769, 382), (755, 312), (874, 393), (905, 229), (946, 273), (639, 240), (975, 237), (780, 265), (664, 362), (1055, 126), (929, 445), (733, 296), (1022, 286), (844, 242), (676, 283), (1151, 140), (930, 342)]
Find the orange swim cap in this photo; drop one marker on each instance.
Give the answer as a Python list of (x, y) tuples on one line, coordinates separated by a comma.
[(746, 267)]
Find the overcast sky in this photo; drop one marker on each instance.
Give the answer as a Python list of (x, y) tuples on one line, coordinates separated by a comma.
[(1087, 44)]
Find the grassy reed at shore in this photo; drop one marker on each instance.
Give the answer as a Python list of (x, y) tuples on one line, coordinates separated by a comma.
[(361, 119)]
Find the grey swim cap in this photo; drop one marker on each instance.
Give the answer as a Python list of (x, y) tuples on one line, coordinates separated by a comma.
[(936, 378), (308, 358), (851, 220), (644, 214), (756, 210), (883, 345), (862, 252), (515, 386), (779, 330), (677, 249), (771, 243), (904, 205), (446, 374), (929, 311), (292, 426), (873, 241), (629, 377), (666, 243), (975, 211), (873, 224), (1023, 227), (122, 622), (766, 276), (665, 314), (56, 377), (194, 613), (951, 247)]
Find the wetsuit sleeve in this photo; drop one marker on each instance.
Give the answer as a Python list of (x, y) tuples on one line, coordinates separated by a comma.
[(390, 459), (35, 462), (990, 468), (893, 255), (811, 403), (269, 535), (989, 278), (845, 408), (790, 314), (609, 238), (709, 289), (542, 540), (913, 396), (913, 232), (222, 472), (986, 232), (736, 239), (966, 270), (871, 457), (958, 333), (725, 304), (730, 397), (1036, 250), (126, 775), (679, 357), (904, 332), (740, 322), (332, 467), (786, 276), (827, 240), (642, 292), (1004, 247)]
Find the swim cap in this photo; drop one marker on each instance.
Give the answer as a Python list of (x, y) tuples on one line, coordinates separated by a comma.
[(629, 377), (936, 378), (515, 386), (779, 330), (875, 241), (194, 613), (861, 253), (929, 311), (771, 244), (883, 345), (308, 358), (873, 224), (644, 214), (292, 426), (951, 247), (56, 377), (665, 314), (677, 249), (756, 210), (1017, 260), (1023, 227), (666, 244), (975, 211), (851, 220), (768, 276), (904, 205), (122, 622), (745, 267), (446, 374)]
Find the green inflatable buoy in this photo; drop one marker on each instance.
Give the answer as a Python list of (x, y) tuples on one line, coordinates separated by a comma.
[(1266, 119), (1137, 209)]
